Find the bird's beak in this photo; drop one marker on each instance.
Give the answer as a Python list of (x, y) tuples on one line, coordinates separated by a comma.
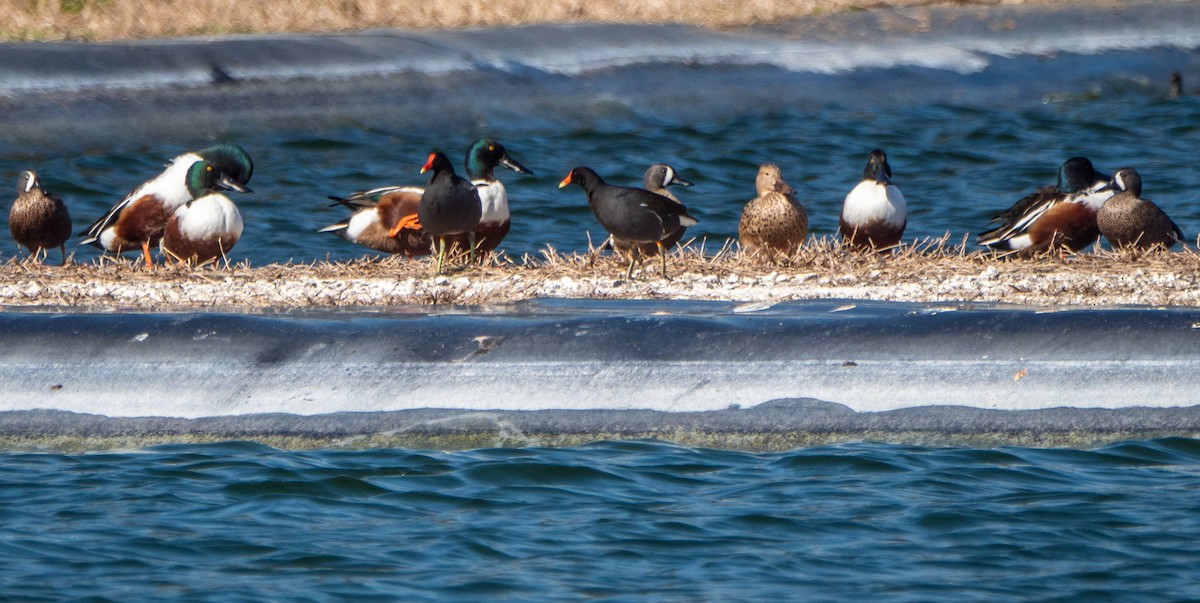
[(565, 181), (512, 164), (680, 181), (230, 184), (428, 163)]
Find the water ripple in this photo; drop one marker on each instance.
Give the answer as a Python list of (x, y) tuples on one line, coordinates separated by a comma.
[(616, 520)]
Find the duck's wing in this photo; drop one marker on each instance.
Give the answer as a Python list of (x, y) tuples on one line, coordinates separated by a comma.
[(1018, 218), (370, 198)]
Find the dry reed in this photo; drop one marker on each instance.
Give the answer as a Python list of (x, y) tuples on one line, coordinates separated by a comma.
[(932, 270), (130, 19)]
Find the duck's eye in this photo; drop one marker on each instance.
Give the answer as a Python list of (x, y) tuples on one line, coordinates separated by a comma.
[(209, 168), (491, 148)]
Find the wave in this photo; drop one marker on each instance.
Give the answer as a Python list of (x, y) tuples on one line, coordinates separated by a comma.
[(961, 43)]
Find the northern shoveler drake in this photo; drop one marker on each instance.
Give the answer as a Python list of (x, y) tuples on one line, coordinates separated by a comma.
[(140, 218), (774, 221), (874, 214), (449, 206), (38, 219), (656, 180), (1063, 215), (631, 214), (205, 228), (1128, 220), (377, 212)]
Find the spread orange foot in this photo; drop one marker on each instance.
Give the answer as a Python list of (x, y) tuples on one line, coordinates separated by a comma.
[(409, 221)]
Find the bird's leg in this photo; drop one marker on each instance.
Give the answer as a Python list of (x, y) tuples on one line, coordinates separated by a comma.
[(633, 254), (441, 254), (63, 248), (146, 254), (471, 254), (410, 221), (662, 254)]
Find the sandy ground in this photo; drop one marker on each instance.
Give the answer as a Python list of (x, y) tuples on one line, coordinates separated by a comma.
[(928, 272)]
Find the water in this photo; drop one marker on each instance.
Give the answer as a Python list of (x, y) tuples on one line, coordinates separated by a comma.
[(957, 165), (971, 122), (617, 521)]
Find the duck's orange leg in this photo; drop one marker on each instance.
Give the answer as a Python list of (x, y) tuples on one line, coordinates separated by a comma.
[(410, 221), (146, 254)]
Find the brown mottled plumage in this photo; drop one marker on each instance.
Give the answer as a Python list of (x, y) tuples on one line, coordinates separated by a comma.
[(774, 222), (38, 219), (1127, 220)]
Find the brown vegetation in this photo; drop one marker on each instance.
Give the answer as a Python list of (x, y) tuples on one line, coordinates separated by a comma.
[(928, 271), (130, 19)]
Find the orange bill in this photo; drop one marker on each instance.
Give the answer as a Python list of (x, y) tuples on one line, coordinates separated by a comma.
[(428, 163), (566, 181)]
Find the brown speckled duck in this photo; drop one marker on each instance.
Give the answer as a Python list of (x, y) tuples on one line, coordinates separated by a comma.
[(1128, 220), (656, 180), (38, 219), (774, 222)]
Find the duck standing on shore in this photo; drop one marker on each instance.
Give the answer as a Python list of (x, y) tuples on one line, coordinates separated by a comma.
[(1128, 220), (140, 218), (39, 219), (875, 213), (383, 218), (205, 228), (656, 180), (774, 222), (1063, 215), (631, 214)]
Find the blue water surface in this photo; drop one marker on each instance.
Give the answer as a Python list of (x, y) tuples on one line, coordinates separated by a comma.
[(958, 161), (635, 520)]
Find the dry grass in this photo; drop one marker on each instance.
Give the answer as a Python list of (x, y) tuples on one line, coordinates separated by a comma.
[(926, 271), (131, 19)]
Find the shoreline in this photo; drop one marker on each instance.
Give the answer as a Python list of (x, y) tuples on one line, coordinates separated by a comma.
[(932, 273)]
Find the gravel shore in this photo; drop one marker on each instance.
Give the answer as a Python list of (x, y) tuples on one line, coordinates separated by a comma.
[(932, 272)]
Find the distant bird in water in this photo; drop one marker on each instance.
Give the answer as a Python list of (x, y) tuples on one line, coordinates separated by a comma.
[(657, 179), (206, 228), (1177, 89), (38, 219), (631, 214), (774, 222), (1063, 215), (1128, 220), (874, 214), (449, 206)]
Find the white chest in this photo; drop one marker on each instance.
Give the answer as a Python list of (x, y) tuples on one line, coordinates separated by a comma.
[(873, 202), (209, 217), (494, 198)]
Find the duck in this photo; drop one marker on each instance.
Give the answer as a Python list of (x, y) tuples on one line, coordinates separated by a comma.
[(207, 227), (1063, 215), (140, 218), (774, 222), (874, 213), (377, 212), (1128, 220), (657, 178), (38, 219), (631, 214), (449, 205)]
